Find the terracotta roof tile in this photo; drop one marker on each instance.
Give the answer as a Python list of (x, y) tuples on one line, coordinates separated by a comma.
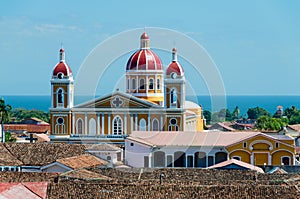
[(82, 161)]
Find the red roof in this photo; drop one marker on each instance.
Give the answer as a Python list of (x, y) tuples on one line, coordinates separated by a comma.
[(62, 67), (237, 162), (144, 59), (61, 50), (23, 190), (175, 67), (32, 128)]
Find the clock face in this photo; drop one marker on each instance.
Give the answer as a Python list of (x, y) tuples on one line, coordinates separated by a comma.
[(173, 75)]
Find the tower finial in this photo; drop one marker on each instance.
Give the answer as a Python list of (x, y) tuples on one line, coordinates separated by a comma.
[(61, 54), (174, 54)]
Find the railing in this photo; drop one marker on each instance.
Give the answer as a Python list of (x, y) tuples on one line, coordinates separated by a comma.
[(99, 136)]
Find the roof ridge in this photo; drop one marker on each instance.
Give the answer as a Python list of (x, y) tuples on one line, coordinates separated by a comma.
[(31, 190)]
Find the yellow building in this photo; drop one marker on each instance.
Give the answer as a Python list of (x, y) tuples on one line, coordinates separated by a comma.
[(154, 100), (204, 149)]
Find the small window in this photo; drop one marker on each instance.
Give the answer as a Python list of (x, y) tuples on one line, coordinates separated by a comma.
[(142, 84), (128, 86), (276, 145), (285, 160), (151, 84), (245, 144), (158, 84), (236, 158), (60, 75), (173, 121), (60, 120), (133, 84), (131, 144), (108, 158)]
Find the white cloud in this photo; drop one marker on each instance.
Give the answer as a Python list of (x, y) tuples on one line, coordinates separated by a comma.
[(55, 28)]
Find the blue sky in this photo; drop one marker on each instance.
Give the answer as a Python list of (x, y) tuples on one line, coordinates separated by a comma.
[(254, 44)]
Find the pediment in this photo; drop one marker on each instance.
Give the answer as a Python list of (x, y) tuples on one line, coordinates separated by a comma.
[(118, 100)]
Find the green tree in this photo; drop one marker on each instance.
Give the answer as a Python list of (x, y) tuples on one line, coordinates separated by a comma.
[(254, 113), (9, 138), (20, 114), (4, 116), (269, 123), (289, 112), (236, 113), (226, 114), (207, 116)]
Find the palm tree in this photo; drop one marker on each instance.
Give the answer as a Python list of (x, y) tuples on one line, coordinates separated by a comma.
[(4, 116)]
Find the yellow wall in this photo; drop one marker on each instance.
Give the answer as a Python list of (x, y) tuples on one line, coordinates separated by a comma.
[(262, 148)]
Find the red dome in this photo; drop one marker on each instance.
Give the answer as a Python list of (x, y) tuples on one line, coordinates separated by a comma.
[(144, 36), (175, 67), (62, 67), (61, 50), (144, 59)]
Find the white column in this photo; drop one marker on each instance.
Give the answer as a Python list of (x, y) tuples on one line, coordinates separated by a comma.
[(136, 122), (160, 126), (270, 160), (102, 123), (131, 122), (125, 123), (85, 124), (73, 123), (186, 160), (149, 121), (98, 123), (52, 96), (108, 123)]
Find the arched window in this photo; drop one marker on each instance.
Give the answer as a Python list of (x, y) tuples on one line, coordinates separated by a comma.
[(60, 97), (133, 86), (155, 125), (60, 126), (142, 124), (79, 126), (158, 84), (117, 125), (92, 127), (151, 84), (173, 126), (173, 97), (142, 84)]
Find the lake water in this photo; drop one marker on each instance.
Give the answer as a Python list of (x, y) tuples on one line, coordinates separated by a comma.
[(243, 102)]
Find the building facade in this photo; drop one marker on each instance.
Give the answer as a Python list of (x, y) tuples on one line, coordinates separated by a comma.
[(192, 149), (154, 100)]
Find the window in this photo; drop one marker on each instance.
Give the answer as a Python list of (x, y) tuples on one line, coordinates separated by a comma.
[(142, 84), (60, 97), (60, 75), (92, 127), (79, 126), (59, 126), (236, 158), (276, 145), (117, 125), (158, 84), (245, 145), (151, 84), (173, 97), (173, 125), (285, 160), (155, 126), (131, 144), (133, 86), (142, 124)]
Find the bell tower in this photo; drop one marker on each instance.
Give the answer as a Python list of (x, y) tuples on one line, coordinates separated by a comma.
[(62, 97)]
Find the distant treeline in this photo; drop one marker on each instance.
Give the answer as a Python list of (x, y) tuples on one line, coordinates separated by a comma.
[(20, 114)]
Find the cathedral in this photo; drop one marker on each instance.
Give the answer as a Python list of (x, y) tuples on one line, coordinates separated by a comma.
[(154, 100)]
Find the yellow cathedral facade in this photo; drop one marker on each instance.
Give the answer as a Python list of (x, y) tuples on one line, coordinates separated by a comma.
[(154, 100)]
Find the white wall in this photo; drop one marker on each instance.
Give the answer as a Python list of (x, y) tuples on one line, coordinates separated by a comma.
[(134, 155)]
